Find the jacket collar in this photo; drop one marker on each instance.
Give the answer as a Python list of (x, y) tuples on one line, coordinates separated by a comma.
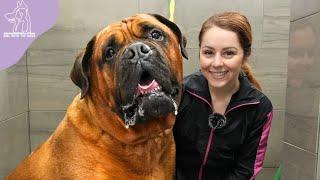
[(198, 84)]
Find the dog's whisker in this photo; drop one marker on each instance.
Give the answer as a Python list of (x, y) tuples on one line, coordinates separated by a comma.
[(131, 121), (175, 106), (141, 111)]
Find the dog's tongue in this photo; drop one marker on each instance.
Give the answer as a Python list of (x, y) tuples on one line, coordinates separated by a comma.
[(147, 88)]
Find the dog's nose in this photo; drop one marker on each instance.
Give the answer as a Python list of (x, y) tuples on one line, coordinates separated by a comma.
[(136, 51)]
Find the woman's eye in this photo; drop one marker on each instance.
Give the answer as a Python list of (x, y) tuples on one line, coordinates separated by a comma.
[(156, 35), (229, 54), (110, 53), (208, 52)]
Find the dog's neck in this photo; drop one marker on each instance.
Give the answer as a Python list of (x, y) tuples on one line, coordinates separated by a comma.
[(142, 157), (147, 150)]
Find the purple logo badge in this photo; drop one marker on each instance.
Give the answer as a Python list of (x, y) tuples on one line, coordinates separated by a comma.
[(21, 21)]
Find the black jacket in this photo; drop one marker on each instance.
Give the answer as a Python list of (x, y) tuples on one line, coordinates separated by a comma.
[(234, 152)]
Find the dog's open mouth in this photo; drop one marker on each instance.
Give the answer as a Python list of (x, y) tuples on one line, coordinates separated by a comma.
[(147, 84), (150, 101)]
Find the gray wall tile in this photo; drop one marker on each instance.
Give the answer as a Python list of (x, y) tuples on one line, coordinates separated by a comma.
[(270, 67), (298, 164), (14, 140), (266, 174), (61, 39), (13, 90), (274, 148), (78, 21), (190, 15), (274, 87), (303, 61), (300, 105), (192, 64), (42, 124), (303, 90), (300, 9), (269, 61), (50, 86), (276, 23), (158, 7)]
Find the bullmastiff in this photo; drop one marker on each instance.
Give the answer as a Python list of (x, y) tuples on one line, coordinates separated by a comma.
[(120, 125)]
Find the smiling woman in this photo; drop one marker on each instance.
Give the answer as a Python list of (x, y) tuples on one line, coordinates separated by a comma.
[(224, 119)]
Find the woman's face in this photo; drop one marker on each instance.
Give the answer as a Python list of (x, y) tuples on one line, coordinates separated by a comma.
[(221, 57)]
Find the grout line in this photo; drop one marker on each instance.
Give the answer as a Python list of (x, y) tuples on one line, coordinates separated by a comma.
[(307, 16), (28, 99), (12, 117), (307, 151), (271, 167), (56, 49), (254, 49), (260, 46), (48, 110), (317, 168)]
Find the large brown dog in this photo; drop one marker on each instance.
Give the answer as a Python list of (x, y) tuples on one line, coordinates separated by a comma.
[(120, 127)]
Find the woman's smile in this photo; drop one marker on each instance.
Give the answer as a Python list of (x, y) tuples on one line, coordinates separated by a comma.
[(219, 75)]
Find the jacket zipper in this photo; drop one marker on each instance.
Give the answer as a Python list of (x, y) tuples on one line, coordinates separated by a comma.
[(210, 140)]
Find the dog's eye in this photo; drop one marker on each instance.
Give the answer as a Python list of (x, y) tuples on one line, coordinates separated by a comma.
[(156, 35), (110, 52)]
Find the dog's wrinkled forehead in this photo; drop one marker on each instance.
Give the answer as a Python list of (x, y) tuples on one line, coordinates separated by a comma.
[(131, 28)]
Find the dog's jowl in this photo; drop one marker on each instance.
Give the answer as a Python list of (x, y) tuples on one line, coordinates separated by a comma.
[(120, 125)]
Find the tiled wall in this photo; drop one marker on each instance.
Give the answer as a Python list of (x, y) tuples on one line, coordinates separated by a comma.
[(301, 142), (14, 126), (51, 56)]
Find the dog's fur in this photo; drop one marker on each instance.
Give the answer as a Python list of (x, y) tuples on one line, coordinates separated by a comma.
[(92, 142)]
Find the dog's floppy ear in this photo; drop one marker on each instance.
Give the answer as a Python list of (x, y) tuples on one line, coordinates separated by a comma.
[(182, 39), (80, 71)]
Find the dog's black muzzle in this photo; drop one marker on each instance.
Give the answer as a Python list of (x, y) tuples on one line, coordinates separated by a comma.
[(147, 87)]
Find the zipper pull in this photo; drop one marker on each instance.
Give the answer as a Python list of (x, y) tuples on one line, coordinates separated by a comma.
[(217, 120)]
